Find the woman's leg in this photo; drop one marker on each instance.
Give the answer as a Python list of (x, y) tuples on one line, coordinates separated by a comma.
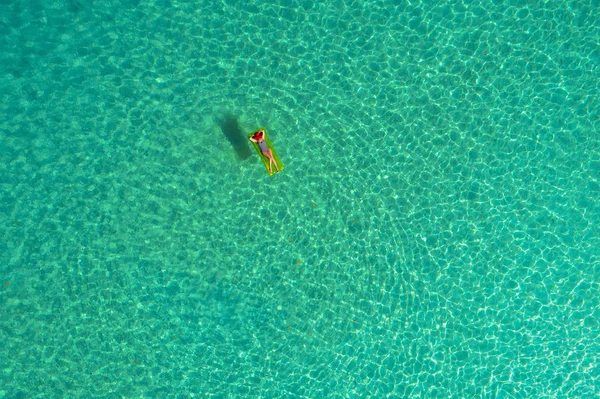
[(269, 155), (269, 167), (271, 159)]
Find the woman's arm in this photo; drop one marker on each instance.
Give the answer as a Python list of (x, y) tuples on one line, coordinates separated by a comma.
[(255, 140)]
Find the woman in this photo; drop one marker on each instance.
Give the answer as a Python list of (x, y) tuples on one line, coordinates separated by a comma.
[(259, 138)]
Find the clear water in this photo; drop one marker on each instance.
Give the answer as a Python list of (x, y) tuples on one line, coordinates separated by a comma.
[(435, 232)]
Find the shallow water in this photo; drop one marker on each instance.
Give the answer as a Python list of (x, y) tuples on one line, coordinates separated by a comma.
[(434, 233)]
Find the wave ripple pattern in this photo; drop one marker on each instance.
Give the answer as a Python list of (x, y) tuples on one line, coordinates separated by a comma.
[(434, 234)]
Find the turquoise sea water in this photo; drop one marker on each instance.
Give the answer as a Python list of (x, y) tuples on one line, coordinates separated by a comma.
[(434, 234)]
